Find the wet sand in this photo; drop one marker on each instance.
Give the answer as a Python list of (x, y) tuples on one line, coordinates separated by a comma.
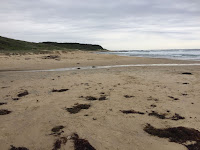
[(108, 108)]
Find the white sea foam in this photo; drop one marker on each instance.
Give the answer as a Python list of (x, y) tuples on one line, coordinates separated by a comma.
[(192, 54)]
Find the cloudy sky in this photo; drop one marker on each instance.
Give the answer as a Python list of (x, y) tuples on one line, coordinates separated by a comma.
[(114, 24)]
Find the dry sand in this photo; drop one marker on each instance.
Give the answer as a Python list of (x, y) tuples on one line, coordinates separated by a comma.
[(143, 89)]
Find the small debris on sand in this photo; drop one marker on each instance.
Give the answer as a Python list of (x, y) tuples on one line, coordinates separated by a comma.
[(75, 109), (94, 118), (57, 128), (151, 98), (59, 142), (4, 112), (81, 144), (128, 96), (102, 98), (185, 83), (156, 114), (90, 98), (163, 116), (3, 103), (187, 73), (24, 93), (180, 135), (56, 57), (132, 112), (15, 99), (177, 117), (173, 98), (61, 90), (18, 148), (153, 106)]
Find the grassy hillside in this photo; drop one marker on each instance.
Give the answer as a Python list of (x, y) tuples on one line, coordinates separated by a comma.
[(7, 44)]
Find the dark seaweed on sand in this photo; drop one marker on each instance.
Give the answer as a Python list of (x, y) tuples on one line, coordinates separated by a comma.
[(81, 144), (132, 112), (4, 112), (3, 103), (57, 128), (102, 98), (160, 116), (61, 90), (163, 116), (18, 148), (128, 96), (173, 98), (177, 117), (51, 57), (187, 73), (75, 109), (58, 143), (179, 135), (90, 98), (24, 93)]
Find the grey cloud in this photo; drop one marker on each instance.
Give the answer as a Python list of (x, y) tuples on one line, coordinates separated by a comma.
[(86, 21)]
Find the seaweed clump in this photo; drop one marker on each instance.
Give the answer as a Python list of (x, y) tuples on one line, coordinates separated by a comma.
[(61, 90), (3, 103), (58, 143), (163, 116), (18, 148), (180, 135), (160, 116), (81, 144), (75, 109), (132, 112), (4, 112), (24, 93), (57, 130)]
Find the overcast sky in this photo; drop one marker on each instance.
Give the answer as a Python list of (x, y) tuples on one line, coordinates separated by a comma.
[(114, 24)]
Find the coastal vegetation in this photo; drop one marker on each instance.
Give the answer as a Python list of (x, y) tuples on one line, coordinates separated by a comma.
[(12, 45)]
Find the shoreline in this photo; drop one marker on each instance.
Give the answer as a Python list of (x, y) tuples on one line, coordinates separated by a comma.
[(101, 67)]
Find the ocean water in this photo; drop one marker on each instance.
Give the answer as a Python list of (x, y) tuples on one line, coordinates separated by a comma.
[(186, 54)]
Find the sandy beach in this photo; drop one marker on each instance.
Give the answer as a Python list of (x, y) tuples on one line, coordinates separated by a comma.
[(119, 102)]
